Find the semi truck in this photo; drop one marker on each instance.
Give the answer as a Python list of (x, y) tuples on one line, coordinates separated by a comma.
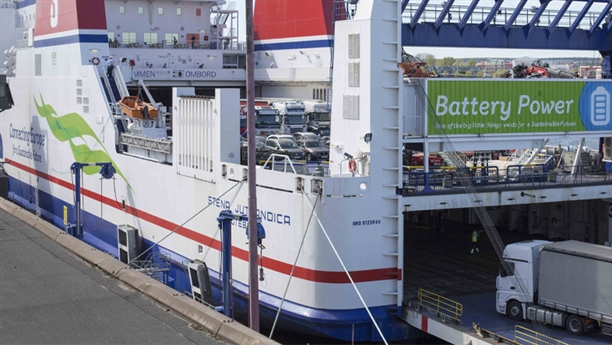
[(319, 116), (268, 120), (293, 114), (566, 284)]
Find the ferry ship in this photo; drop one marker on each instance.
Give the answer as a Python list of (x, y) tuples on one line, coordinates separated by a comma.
[(334, 245)]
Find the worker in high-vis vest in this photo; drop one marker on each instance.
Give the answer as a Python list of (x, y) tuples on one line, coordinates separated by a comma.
[(475, 235)]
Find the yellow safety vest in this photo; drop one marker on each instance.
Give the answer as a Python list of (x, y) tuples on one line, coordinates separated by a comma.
[(474, 236)]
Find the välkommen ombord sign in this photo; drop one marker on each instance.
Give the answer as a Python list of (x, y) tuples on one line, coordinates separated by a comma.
[(512, 106)]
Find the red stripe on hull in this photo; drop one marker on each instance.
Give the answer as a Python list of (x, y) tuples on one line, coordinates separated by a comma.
[(331, 277), (274, 19), (53, 16)]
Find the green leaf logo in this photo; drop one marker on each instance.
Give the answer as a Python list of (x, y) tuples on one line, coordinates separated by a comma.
[(72, 126)]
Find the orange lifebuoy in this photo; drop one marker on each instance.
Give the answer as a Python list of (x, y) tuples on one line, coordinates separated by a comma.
[(95, 61), (352, 165)]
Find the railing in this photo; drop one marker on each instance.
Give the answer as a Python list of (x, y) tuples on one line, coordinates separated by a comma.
[(440, 304), (524, 336), (222, 44), (442, 179), (456, 13)]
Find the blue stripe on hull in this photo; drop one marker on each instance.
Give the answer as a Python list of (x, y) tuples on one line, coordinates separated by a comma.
[(294, 45), (81, 38), (320, 322)]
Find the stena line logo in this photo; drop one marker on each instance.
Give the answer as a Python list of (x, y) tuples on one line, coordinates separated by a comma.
[(54, 13)]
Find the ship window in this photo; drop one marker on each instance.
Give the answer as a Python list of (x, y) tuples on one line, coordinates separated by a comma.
[(160, 10), (150, 37), (79, 100), (111, 35), (129, 37), (140, 10), (179, 11), (121, 9), (86, 100), (170, 38), (79, 83), (79, 92), (86, 109), (198, 12)]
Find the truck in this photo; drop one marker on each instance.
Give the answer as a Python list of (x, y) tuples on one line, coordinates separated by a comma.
[(268, 120), (319, 116), (566, 284), (293, 114)]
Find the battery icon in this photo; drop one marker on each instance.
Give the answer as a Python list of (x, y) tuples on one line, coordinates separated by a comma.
[(600, 107)]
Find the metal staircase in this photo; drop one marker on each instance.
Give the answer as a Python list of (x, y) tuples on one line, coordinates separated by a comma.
[(114, 89), (447, 159), (528, 156)]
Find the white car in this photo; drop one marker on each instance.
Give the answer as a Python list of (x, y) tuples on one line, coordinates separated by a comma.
[(281, 136)]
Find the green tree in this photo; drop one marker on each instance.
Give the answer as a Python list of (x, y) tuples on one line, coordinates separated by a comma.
[(480, 73), (471, 62), (459, 63), (430, 60), (468, 73), (448, 61), (498, 73), (456, 74)]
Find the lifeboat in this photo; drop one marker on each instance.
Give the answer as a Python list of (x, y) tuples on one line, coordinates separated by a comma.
[(135, 107)]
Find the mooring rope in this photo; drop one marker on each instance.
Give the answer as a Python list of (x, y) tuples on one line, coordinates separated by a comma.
[(187, 221), (294, 265), (347, 273)]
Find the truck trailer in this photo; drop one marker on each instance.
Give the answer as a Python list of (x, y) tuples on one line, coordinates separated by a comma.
[(566, 284)]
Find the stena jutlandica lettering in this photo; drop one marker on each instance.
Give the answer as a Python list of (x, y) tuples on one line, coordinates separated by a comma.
[(268, 216)]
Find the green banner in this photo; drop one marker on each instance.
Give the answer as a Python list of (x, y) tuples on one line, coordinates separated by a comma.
[(517, 106)]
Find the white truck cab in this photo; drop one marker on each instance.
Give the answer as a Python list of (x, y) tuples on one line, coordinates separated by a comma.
[(523, 260)]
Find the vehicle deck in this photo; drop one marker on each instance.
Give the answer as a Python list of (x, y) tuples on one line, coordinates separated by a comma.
[(440, 261)]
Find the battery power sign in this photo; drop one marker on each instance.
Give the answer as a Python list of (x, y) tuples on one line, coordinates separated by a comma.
[(600, 107)]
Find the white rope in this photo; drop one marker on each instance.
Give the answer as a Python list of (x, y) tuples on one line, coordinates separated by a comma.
[(293, 268), (187, 221), (347, 273)]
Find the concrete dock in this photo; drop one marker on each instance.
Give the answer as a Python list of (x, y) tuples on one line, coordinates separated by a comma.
[(56, 289)]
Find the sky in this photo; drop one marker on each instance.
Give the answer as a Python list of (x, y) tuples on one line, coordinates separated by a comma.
[(473, 52)]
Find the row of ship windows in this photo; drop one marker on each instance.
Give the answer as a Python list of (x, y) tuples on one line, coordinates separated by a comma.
[(160, 10), (148, 37)]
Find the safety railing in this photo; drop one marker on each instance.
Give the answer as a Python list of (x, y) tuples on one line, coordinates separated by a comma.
[(480, 14), (525, 336), (439, 304), (444, 179)]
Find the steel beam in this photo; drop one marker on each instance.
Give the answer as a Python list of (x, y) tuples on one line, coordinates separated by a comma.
[(536, 17), (415, 19), (514, 15), (600, 18), (468, 14), (404, 5), (559, 15), (581, 15), (445, 10), (485, 25)]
